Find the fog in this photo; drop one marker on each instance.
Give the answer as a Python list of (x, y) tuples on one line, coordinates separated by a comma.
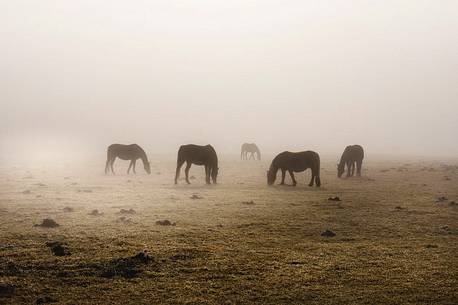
[(77, 76)]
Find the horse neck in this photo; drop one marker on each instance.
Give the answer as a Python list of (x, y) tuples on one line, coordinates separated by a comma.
[(144, 157)]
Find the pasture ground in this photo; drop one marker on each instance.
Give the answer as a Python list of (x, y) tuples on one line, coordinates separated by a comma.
[(238, 242)]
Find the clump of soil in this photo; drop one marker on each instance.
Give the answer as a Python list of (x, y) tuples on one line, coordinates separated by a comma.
[(68, 209), (6, 290), (95, 213), (195, 196), (84, 191), (48, 223), (336, 198), (57, 248), (164, 222), (26, 192), (441, 199), (453, 203), (129, 211), (429, 246), (328, 233), (45, 300), (125, 220), (251, 202), (128, 267)]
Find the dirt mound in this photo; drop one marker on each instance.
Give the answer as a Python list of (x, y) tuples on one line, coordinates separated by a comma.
[(68, 209), (129, 211), (6, 290), (127, 267), (441, 199), (328, 233), (336, 198), (251, 202), (57, 248), (48, 223), (95, 213), (195, 196), (84, 191), (164, 222), (45, 300), (125, 220)]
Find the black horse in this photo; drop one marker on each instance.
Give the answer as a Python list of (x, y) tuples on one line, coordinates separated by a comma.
[(131, 152), (295, 162), (250, 148), (351, 155), (199, 155)]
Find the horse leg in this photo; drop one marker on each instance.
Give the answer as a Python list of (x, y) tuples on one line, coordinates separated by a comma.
[(130, 166), (348, 169), (358, 167), (177, 173), (111, 164), (317, 181), (283, 173), (292, 178), (207, 174), (313, 179), (107, 165), (353, 169), (186, 171), (133, 166)]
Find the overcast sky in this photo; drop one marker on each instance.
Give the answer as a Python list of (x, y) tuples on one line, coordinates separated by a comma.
[(288, 75)]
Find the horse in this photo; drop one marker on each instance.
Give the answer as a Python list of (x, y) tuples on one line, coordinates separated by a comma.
[(351, 155), (249, 148), (295, 162), (198, 155), (131, 152)]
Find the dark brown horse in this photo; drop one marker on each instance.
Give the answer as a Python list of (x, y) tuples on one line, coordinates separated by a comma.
[(131, 152), (295, 162), (250, 148), (198, 155), (353, 154)]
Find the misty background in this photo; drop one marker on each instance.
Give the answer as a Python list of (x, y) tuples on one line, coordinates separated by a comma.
[(77, 76)]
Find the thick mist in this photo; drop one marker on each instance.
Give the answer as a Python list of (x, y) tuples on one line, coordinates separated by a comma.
[(80, 75)]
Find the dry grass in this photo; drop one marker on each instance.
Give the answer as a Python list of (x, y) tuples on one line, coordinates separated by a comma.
[(238, 242)]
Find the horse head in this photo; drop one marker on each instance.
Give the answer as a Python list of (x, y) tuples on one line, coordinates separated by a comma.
[(271, 176), (147, 167), (340, 169)]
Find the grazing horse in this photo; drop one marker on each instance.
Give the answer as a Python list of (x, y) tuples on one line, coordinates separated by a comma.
[(131, 152), (351, 155), (198, 155), (249, 148), (295, 162)]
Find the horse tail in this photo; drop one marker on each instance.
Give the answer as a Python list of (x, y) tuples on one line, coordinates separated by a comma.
[(317, 171), (108, 159)]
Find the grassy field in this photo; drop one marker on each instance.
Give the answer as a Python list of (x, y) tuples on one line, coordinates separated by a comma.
[(238, 242)]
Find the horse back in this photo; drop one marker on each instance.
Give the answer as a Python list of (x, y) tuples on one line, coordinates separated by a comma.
[(197, 154)]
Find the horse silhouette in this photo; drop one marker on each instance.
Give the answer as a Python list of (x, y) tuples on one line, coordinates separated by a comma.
[(351, 155), (295, 162), (198, 155), (131, 152), (249, 148)]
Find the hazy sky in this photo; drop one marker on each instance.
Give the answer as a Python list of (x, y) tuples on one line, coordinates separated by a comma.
[(289, 75)]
